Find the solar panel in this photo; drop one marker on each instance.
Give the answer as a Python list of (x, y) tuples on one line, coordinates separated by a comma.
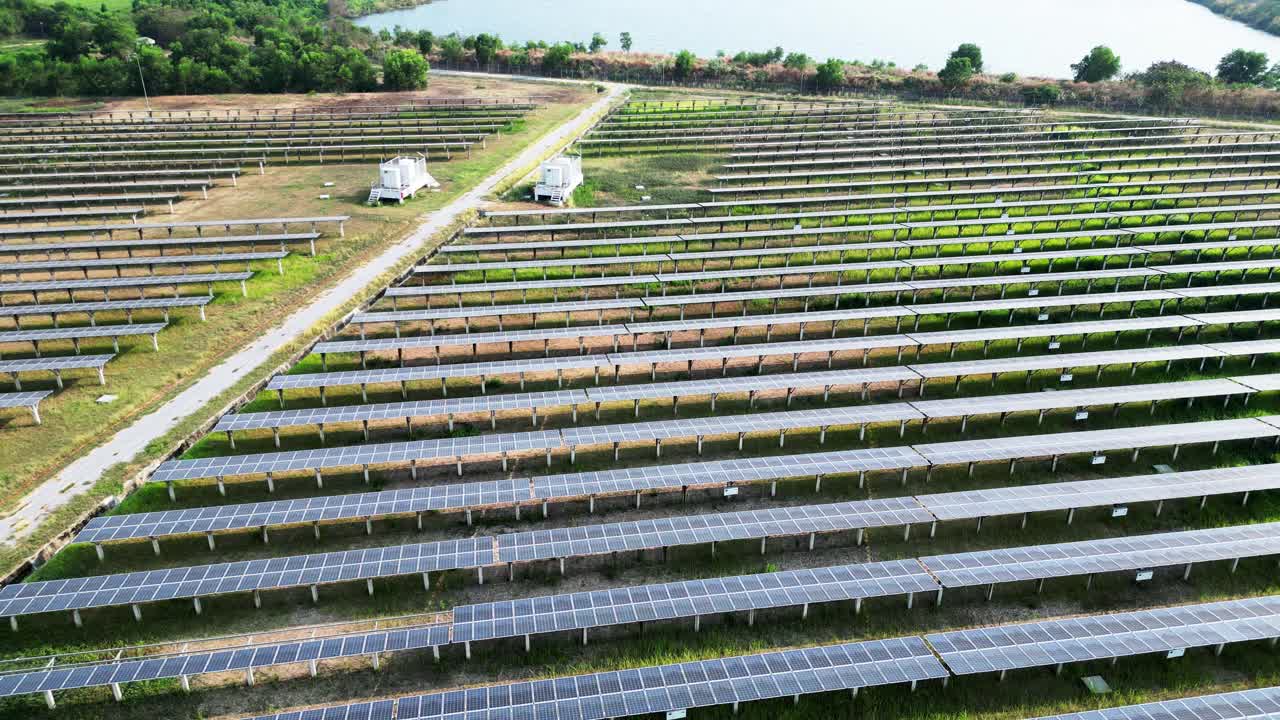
[(1053, 642), (61, 362), (644, 603), (28, 265), (1136, 552), (1057, 329), (434, 498), (782, 271), (1246, 347), (513, 265), (26, 398), (568, 306), (735, 424), (124, 282), (357, 455), (399, 410), (273, 573), (96, 246), (662, 688), (420, 341), (158, 303), (1214, 290), (1018, 499), (721, 472), (1046, 399), (137, 227), (697, 529), (1261, 383), (1005, 448), (736, 385), (1257, 704), (518, 285), (1235, 318), (1068, 360), (432, 372), (772, 319), (235, 658), (646, 357), (68, 333)]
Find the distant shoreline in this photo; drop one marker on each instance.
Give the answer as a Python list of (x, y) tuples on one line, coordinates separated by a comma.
[(1264, 15)]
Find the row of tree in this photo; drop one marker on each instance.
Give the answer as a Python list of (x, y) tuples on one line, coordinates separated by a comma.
[(210, 46), (198, 46)]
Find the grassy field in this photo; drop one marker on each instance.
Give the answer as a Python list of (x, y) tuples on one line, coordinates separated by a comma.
[(667, 179), (74, 421)]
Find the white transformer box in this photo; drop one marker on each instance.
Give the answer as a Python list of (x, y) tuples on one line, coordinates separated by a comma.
[(400, 178), (557, 179)]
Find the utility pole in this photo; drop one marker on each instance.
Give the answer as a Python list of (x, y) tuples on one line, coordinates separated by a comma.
[(137, 59)]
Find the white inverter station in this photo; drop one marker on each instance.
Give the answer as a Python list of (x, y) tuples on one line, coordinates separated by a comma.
[(557, 179), (401, 177)]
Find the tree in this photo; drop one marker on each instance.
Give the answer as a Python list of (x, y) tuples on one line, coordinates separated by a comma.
[(557, 58), (451, 50), (404, 70), (1041, 94), (486, 47), (1100, 64), (1242, 67), (684, 64), (797, 61), (426, 41), (625, 41), (957, 72), (972, 53), (1167, 82), (597, 43), (830, 75)]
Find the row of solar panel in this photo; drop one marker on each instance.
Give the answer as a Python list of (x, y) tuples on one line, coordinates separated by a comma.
[(528, 546), (690, 599), (847, 666)]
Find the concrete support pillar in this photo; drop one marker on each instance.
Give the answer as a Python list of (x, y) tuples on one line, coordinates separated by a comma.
[(116, 692), (137, 612)]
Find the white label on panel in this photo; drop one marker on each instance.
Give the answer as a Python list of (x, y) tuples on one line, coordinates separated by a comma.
[(1098, 460), (730, 491), (1082, 415), (1119, 511)]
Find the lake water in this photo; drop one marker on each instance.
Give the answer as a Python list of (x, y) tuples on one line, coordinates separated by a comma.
[(1030, 37)]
